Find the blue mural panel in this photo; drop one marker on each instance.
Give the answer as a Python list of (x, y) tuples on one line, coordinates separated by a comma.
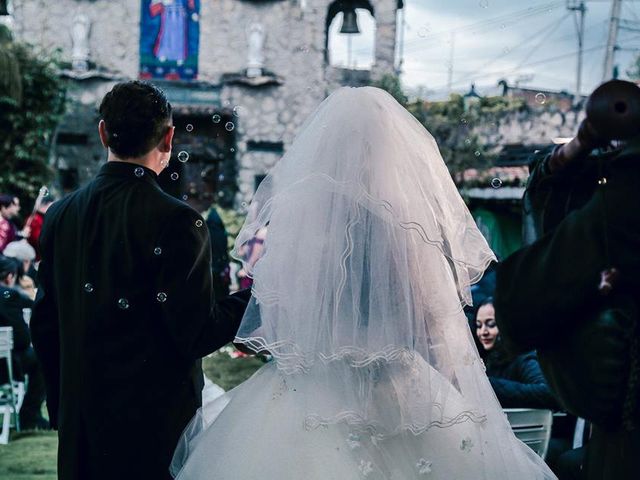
[(169, 39)]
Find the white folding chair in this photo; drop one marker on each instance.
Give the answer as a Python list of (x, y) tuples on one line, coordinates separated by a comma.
[(12, 392), (532, 427)]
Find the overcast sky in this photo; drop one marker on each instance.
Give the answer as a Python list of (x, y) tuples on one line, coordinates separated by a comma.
[(534, 42)]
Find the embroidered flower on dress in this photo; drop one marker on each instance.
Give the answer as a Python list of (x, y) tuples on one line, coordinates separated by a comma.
[(365, 468), (353, 441), (466, 445), (423, 466)]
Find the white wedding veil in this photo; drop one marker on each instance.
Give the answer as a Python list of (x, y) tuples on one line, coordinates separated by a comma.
[(370, 248)]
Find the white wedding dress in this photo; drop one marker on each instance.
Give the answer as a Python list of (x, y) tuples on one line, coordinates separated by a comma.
[(358, 295)]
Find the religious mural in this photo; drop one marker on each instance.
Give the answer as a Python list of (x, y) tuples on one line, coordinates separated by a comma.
[(169, 39)]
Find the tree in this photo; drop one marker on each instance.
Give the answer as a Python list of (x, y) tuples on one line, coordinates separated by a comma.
[(32, 99), (453, 123)]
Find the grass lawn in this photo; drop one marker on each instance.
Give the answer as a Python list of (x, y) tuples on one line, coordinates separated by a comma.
[(29, 456), (32, 455)]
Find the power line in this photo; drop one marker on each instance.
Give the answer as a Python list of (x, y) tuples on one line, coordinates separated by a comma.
[(538, 62), (510, 18)]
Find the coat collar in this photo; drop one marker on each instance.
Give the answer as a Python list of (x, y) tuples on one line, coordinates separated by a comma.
[(128, 170)]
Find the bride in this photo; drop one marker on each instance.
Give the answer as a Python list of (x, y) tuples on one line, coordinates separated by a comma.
[(358, 296)]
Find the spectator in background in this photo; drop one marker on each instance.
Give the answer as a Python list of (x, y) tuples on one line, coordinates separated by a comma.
[(24, 359), (9, 209), (516, 379), (518, 382), (24, 254), (251, 251), (35, 223), (219, 253)]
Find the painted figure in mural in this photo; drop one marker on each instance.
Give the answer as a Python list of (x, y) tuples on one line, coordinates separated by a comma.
[(171, 42)]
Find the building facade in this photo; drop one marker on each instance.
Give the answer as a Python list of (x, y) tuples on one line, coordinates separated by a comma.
[(242, 75)]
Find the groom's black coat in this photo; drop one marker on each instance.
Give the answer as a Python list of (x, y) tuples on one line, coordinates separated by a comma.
[(121, 363)]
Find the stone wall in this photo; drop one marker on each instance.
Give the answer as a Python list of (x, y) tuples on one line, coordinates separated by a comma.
[(297, 77)]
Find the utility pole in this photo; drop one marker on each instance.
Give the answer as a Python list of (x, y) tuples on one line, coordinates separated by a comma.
[(614, 23), (578, 10), (403, 26), (450, 69)]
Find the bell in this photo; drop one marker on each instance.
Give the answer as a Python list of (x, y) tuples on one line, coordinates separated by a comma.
[(349, 21)]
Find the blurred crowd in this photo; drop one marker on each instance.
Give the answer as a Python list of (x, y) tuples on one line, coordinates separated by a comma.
[(19, 256)]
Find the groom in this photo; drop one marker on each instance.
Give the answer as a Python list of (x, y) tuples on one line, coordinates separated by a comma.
[(126, 309)]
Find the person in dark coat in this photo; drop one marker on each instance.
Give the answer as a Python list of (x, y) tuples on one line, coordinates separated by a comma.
[(24, 360), (589, 220), (517, 380), (126, 308), (219, 253)]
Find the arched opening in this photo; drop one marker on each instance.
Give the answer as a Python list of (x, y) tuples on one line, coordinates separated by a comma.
[(350, 50)]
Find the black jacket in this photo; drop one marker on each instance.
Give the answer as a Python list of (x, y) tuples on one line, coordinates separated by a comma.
[(544, 289), (123, 315), (519, 382), (11, 304), (547, 297)]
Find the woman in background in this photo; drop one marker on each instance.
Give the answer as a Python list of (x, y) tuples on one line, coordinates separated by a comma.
[(517, 379)]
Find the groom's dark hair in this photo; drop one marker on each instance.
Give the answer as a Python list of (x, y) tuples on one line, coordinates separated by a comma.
[(136, 116)]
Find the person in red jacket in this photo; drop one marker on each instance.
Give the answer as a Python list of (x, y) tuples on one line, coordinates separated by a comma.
[(35, 223)]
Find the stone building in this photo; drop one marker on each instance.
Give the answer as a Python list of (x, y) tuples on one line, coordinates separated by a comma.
[(242, 76)]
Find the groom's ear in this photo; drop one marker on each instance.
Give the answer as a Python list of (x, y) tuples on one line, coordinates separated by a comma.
[(167, 139)]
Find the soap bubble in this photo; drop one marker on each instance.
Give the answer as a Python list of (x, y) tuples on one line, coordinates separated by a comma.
[(123, 303), (189, 127), (216, 118), (183, 156), (88, 287), (229, 126), (175, 176), (541, 98), (161, 297), (496, 183)]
